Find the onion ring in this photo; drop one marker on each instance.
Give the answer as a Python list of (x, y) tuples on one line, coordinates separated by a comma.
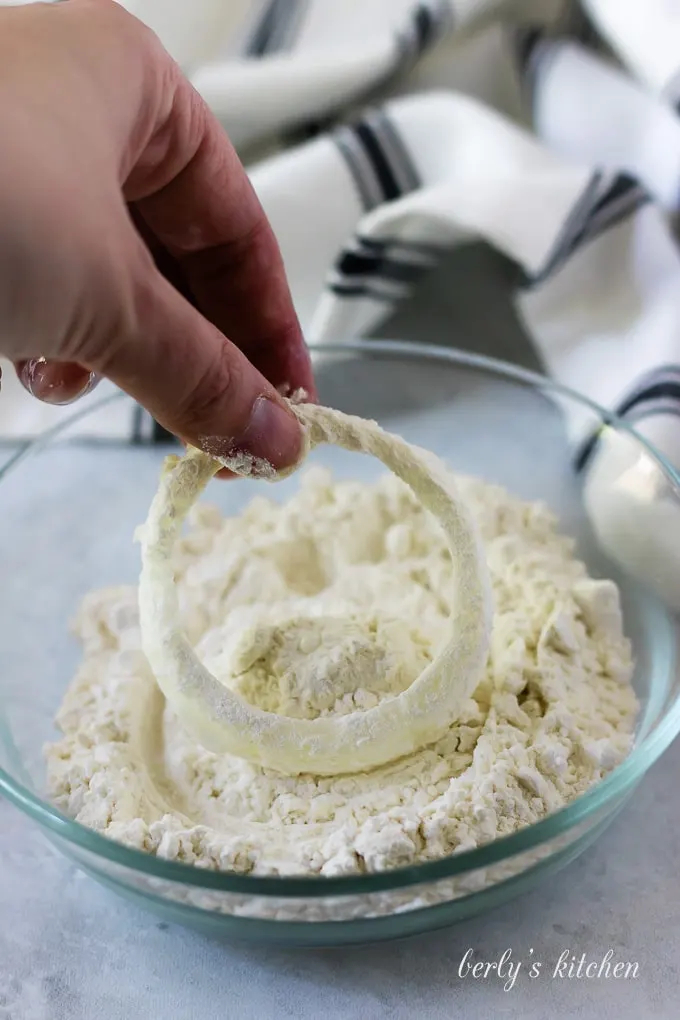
[(221, 720)]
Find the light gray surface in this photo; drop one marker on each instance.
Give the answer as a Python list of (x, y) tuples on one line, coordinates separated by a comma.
[(71, 951)]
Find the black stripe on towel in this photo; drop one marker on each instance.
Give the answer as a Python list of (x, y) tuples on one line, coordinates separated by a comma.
[(386, 270), (583, 30), (275, 28), (527, 41), (378, 159), (428, 22), (356, 265), (534, 46), (656, 393), (534, 51), (606, 201), (384, 170)]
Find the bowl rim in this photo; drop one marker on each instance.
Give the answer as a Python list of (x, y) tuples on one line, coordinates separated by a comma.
[(613, 787)]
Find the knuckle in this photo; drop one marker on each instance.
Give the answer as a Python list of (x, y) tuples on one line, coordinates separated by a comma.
[(213, 401), (240, 259)]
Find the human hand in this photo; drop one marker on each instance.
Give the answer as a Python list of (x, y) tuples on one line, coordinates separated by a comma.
[(131, 242)]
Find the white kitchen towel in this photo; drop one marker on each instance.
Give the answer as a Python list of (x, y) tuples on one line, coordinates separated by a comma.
[(269, 68), (598, 271), (646, 35), (635, 126), (626, 127)]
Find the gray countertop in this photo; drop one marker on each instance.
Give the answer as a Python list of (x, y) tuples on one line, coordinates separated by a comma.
[(69, 950)]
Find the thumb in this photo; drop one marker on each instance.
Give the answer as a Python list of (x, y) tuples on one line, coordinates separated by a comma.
[(196, 383)]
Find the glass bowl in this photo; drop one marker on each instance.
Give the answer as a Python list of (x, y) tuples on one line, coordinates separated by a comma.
[(69, 509)]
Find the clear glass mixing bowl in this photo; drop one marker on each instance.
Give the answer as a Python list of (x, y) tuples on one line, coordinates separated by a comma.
[(68, 511)]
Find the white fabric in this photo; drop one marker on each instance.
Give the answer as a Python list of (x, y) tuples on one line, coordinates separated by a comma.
[(645, 34), (626, 321), (626, 128), (331, 53)]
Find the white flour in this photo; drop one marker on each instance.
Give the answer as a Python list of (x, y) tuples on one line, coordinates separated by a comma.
[(354, 579)]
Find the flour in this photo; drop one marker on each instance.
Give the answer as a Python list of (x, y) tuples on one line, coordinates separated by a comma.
[(329, 605)]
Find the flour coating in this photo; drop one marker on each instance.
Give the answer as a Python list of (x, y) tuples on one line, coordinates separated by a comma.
[(411, 718), (328, 605)]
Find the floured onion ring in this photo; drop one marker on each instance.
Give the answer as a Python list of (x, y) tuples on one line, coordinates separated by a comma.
[(222, 721)]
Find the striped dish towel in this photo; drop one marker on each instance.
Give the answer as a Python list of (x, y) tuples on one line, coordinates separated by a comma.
[(438, 122), (381, 133)]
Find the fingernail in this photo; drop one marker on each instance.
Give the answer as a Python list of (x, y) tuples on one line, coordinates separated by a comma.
[(58, 383), (271, 442)]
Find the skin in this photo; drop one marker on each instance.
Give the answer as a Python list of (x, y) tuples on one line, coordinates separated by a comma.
[(132, 245)]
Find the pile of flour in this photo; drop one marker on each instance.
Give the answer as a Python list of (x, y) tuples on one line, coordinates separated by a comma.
[(329, 604)]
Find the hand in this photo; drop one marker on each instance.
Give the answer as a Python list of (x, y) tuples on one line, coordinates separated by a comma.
[(131, 242)]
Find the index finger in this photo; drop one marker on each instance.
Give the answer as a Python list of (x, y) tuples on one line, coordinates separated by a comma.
[(193, 193)]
